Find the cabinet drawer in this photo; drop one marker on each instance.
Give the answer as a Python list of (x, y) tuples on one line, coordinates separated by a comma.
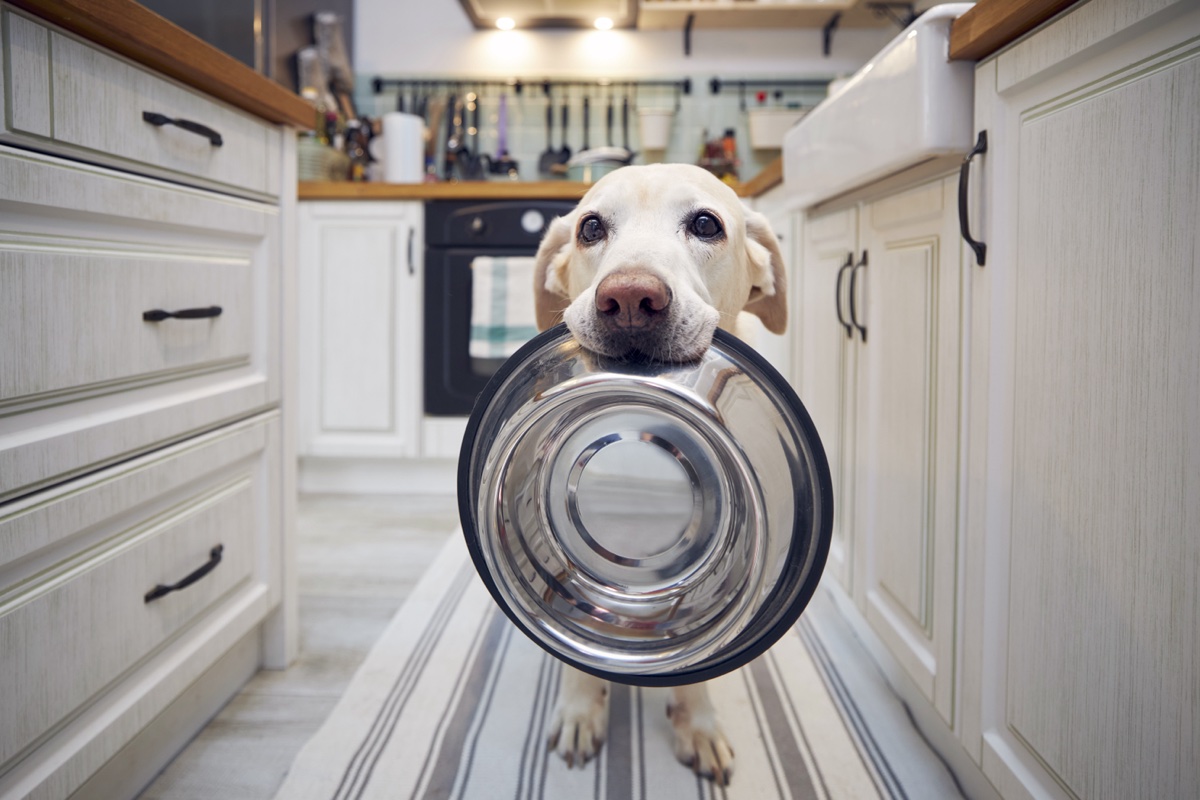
[(73, 318), (93, 102), (74, 618), (85, 381)]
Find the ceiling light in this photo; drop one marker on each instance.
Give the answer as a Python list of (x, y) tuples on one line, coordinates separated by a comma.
[(505, 23), (603, 23)]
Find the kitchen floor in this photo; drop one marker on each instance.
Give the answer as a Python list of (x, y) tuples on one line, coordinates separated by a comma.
[(359, 557)]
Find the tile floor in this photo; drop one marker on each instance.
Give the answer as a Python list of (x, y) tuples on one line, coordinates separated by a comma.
[(358, 559)]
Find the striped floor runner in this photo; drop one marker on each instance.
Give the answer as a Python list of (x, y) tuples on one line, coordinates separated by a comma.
[(453, 702)]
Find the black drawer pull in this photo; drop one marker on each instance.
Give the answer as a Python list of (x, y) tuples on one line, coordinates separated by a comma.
[(837, 294), (964, 176), (214, 558), (862, 329), (158, 315), (155, 118)]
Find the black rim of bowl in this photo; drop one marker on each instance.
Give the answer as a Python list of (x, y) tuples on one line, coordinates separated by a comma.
[(823, 489)]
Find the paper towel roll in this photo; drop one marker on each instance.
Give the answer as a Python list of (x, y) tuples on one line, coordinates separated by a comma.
[(403, 148)]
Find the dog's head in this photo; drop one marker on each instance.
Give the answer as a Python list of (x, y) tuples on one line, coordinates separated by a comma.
[(653, 259)]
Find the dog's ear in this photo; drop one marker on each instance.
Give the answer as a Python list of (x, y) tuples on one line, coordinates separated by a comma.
[(768, 290), (550, 295)]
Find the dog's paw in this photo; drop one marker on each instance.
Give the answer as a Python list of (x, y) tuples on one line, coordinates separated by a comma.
[(701, 744), (580, 721)]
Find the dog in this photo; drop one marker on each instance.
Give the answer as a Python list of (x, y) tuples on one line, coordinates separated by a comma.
[(652, 260)]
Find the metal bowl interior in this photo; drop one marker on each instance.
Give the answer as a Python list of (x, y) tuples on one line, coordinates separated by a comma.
[(650, 523)]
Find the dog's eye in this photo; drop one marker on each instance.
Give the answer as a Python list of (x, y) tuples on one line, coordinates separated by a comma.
[(706, 226), (592, 230)]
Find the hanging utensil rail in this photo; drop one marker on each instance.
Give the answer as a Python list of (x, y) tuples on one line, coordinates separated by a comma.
[(716, 86), (426, 86)]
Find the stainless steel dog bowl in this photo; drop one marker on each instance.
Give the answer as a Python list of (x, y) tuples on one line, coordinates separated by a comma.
[(649, 523)]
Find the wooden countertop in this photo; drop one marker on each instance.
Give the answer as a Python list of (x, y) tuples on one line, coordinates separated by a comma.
[(992, 24), (464, 190), (494, 190), (139, 34)]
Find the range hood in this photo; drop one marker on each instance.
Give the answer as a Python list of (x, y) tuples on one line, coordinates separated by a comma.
[(551, 13)]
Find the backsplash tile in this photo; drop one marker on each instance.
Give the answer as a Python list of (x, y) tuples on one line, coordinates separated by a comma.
[(698, 112)]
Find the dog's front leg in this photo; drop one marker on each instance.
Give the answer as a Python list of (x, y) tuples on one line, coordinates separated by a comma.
[(580, 717), (699, 741)]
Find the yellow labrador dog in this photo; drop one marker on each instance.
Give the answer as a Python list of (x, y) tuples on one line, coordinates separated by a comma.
[(651, 261)]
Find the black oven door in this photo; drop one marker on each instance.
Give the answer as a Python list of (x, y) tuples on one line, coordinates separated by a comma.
[(457, 233), (453, 378)]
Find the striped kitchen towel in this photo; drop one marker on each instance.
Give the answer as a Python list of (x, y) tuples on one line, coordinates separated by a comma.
[(502, 312)]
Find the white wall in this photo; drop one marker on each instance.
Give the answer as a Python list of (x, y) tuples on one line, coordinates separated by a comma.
[(435, 38)]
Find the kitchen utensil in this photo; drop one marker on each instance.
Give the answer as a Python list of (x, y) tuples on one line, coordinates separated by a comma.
[(625, 121), (502, 163), (608, 121), (437, 110), (587, 123), (549, 156), (564, 151), (649, 523), (472, 164), (454, 111)]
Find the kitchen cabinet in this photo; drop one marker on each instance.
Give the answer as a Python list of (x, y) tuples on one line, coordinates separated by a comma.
[(881, 375), (144, 414), (360, 299), (1082, 661), (910, 379)]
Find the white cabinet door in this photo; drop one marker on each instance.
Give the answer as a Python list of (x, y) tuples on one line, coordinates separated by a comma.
[(908, 293), (360, 328), (1085, 421), (827, 366)]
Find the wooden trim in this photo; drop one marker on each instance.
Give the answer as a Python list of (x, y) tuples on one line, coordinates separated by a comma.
[(992, 24), (139, 34), (769, 178)]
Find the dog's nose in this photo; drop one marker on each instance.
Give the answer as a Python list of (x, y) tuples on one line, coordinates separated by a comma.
[(631, 300)]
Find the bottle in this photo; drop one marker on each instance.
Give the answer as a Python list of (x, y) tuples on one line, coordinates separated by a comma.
[(729, 156)]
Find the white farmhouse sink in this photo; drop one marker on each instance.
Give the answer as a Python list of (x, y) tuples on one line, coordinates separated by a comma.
[(907, 104)]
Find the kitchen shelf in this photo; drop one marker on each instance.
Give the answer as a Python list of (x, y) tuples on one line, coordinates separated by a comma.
[(673, 14)]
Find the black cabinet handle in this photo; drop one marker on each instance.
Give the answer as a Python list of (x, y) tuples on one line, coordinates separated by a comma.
[(862, 330), (155, 118), (964, 176), (837, 295), (214, 558), (158, 315), (412, 270)]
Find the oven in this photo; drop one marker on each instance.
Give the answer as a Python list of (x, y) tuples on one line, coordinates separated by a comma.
[(478, 257)]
